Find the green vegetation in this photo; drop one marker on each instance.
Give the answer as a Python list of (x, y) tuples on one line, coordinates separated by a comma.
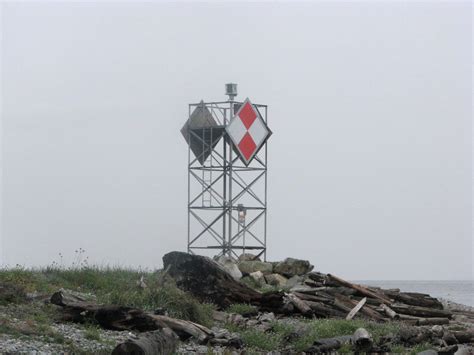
[(121, 286), (11, 293), (261, 340), (110, 286), (241, 308), (23, 319), (302, 335), (327, 328), (30, 321), (419, 348), (92, 332)]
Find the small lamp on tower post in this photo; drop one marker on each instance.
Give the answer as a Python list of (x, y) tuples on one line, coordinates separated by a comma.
[(242, 212), (231, 90)]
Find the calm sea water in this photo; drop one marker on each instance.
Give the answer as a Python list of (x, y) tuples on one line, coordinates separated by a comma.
[(457, 291)]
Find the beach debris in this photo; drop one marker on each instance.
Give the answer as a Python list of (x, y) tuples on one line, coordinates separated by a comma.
[(156, 342), (311, 294), (154, 329), (362, 340), (328, 345), (356, 309)]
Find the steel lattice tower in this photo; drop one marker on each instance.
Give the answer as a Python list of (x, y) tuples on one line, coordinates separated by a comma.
[(227, 176)]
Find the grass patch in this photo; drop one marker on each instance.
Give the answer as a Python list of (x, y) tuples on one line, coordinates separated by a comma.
[(241, 308), (420, 347), (328, 328), (11, 293), (92, 332), (179, 304), (111, 286), (301, 336), (29, 328), (7, 328), (259, 340)]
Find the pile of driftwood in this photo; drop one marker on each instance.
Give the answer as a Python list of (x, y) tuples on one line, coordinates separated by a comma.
[(158, 334), (316, 295)]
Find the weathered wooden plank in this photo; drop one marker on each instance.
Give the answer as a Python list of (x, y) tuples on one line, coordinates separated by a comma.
[(356, 309)]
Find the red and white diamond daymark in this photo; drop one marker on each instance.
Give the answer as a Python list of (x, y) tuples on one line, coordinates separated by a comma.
[(247, 131)]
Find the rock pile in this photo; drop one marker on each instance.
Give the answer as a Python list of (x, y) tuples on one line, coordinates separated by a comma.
[(286, 273)]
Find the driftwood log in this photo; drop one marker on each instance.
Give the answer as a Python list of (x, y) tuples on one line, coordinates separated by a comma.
[(414, 299), (464, 336), (362, 340), (149, 343), (300, 305), (361, 289), (389, 312), (125, 318), (328, 345), (209, 282), (420, 311)]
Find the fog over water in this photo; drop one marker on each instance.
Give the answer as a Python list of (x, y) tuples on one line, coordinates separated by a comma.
[(370, 104)]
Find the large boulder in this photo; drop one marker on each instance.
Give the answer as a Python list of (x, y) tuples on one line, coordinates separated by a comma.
[(247, 267), (291, 267), (230, 266), (210, 282), (207, 280)]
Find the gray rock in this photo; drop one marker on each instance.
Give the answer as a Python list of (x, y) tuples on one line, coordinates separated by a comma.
[(248, 257), (258, 277), (437, 330), (230, 266), (247, 267), (236, 319), (220, 316), (428, 352), (276, 280), (291, 267), (251, 323), (267, 317), (293, 281), (464, 350)]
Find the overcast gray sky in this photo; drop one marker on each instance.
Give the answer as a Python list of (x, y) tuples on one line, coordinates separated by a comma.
[(370, 105)]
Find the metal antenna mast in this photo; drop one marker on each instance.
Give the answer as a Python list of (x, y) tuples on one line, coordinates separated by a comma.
[(227, 176)]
